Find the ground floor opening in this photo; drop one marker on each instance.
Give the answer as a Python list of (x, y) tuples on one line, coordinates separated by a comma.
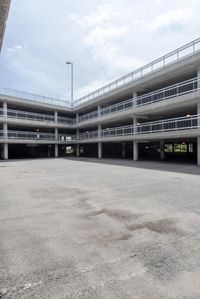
[(21, 151), (179, 150)]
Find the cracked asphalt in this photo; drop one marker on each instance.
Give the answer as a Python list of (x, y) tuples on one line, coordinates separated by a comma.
[(70, 228)]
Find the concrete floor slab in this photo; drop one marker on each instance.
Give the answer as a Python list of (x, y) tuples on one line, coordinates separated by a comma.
[(75, 229)]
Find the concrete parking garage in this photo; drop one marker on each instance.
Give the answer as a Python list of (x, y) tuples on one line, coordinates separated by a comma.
[(82, 229)]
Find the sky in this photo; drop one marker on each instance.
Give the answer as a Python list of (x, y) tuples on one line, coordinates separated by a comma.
[(104, 40)]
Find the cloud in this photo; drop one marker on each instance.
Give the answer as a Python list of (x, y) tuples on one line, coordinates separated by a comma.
[(172, 20), (105, 40)]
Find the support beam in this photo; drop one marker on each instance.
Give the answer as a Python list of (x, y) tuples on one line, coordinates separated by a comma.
[(100, 150), (162, 150)]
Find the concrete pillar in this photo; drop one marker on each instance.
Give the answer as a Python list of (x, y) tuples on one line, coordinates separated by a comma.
[(56, 150), (135, 150), (77, 146), (78, 150), (5, 151), (198, 108), (123, 150), (56, 145), (99, 111), (198, 138), (134, 98), (56, 116), (135, 143), (135, 125), (162, 150), (5, 146), (198, 75), (100, 150), (56, 133), (77, 118), (99, 130), (198, 151), (5, 109)]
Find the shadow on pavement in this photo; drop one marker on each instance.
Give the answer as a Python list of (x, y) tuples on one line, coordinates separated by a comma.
[(187, 168)]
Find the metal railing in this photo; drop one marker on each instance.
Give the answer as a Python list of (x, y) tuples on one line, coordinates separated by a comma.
[(66, 120), (36, 136), (33, 97), (88, 135), (26, 135), (146, 99), (88, 116), (33, 116), (172, 57), (167, 125)]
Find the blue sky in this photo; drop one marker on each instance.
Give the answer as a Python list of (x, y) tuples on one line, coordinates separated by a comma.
[(104, 39)]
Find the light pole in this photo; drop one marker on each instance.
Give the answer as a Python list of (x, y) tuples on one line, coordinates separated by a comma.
[(72, 80)]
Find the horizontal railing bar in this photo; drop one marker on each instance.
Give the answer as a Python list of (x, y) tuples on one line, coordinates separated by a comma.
[(192, 121), (150, 65), (34, 116), (158, 63)]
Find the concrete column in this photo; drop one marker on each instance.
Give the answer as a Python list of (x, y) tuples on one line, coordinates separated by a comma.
[(78, 150), (198, 138), (135, 125), (56, 116), (99, 111), (5, 133), (56, 133), (135, 143), (5, 151), (123, 150), (198, 75), (134, 98), (5, 109), (135, 150), (198, 151), (5, 130), (77, 118), (99, 150), (198, 108), (56, 145), (77, 146), (162, 150), (56, 150), (198, 112), (99, 130)]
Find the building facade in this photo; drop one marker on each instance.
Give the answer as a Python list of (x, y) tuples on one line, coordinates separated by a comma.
[(4, 9), (150, 113)]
